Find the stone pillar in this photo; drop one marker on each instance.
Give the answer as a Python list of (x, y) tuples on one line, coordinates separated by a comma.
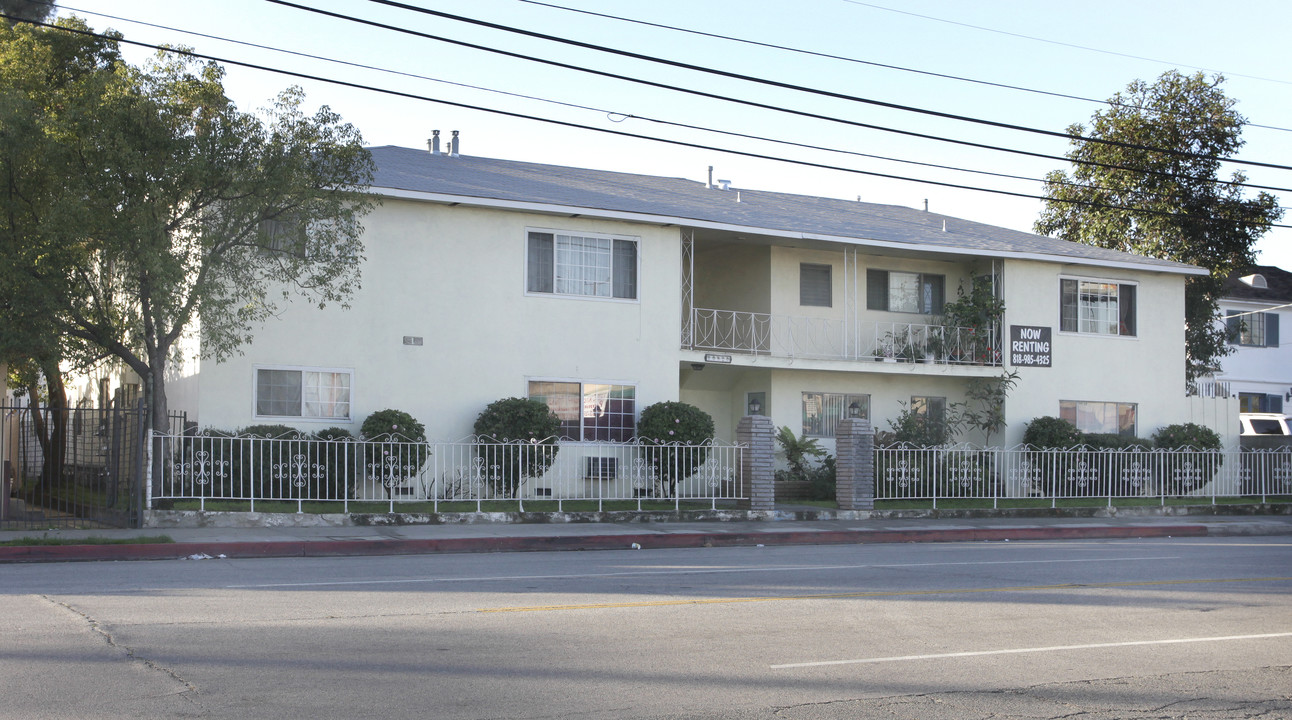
[(855, 464), (757, 434)]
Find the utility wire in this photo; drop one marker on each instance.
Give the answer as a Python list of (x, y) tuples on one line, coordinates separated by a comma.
[(610, 114), (805, 89), (1057, 42), (751, 103), (608, 131), (858, 61)]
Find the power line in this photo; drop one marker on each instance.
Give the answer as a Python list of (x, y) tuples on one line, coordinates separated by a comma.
[(750, 103), (609, 113), (805, 89), (1058, 42), (608, 131), (858, 61)]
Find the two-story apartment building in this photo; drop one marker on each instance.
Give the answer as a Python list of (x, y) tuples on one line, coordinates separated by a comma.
[(601, 293), (1259, 370)]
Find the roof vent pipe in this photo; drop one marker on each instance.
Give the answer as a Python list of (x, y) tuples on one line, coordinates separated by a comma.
[(434, 143), (926, 204), (709, 185), (944, 226), (737, 196), (726, 184), (453, 145)]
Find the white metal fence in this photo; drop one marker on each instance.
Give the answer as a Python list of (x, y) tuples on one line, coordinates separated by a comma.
[(838, 339), (300, 468), (908, 472)]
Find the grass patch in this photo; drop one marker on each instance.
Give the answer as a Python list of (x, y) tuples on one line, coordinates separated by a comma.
[(92, 540)]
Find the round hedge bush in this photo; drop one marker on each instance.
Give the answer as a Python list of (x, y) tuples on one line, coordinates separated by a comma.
[(675, 434), (1052, 432), (392, 425), (1186, 435), (396, 447), (518, 441)]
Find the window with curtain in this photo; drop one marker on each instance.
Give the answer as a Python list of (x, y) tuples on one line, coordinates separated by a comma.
[(907, 292), (1097, 308), (1111, 418), (823, 411), (598, 266), (302, 393)]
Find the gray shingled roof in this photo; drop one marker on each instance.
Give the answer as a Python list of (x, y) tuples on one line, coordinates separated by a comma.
[(599, 190), (1278, 280)]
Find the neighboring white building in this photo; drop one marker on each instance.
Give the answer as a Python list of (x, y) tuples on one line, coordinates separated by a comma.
[(603, 292), (1259, 371)]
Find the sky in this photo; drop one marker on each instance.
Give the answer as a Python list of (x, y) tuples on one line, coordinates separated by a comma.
[(1090, 50)]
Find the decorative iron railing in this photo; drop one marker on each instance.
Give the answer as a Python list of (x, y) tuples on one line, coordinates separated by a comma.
[(834, 339), (301, 468), (963, 471)]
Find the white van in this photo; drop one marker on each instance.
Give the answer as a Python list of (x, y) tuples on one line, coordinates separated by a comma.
[(1263, 424)]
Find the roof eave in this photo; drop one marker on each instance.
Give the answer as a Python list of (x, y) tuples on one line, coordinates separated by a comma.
[(665, 220)]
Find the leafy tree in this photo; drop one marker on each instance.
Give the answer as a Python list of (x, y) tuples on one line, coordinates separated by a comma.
[(1170, 205), (139, 199)]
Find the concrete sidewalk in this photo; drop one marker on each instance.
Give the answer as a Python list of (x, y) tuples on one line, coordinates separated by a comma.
[(356, 540)]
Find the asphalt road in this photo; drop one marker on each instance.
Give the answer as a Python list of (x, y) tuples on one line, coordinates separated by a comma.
[(1151, 629)]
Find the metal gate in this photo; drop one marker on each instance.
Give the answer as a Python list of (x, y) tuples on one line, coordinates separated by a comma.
[(72, 467)]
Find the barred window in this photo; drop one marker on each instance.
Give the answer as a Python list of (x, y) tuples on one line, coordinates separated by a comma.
[(590, 411)]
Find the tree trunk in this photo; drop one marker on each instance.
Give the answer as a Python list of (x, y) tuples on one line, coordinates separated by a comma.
[(158, 419)]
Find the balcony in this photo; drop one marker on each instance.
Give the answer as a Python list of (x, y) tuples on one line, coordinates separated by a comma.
[(815, 338)]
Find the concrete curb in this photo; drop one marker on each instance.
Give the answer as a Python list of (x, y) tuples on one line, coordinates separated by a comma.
[(645, 541)]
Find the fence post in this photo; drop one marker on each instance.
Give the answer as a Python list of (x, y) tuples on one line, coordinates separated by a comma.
[(855, 464), (755, 432)]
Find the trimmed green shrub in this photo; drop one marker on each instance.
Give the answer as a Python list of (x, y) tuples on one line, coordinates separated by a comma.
[(1052, 432), (395, 449), (338, 459), (675, 435), (528, 431), (1186, 435)]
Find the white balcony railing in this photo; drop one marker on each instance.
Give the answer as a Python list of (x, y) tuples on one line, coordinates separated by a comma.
[(831, 339)]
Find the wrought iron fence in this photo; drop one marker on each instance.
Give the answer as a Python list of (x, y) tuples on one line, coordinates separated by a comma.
[(963, 471), (300, 468), (837, 339), (72, 467)]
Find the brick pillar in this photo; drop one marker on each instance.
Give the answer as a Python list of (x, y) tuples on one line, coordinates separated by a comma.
[(757, 433), (855, 464)]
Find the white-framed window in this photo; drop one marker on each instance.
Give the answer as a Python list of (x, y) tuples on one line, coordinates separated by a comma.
[(823, 411), (907, 292), (590, 410), (301, 392), (815, 285), (1252, 329), (581, 265), (1112, 418), (1097, 307)]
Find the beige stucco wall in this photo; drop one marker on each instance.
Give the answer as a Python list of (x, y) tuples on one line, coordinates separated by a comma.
[(1147, 369), (454, 276)]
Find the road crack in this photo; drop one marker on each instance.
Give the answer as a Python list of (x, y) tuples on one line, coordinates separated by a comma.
[(190, 691)]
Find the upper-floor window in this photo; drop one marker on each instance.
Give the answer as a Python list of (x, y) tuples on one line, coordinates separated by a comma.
[(815, 287), (1259, 403), (589, 411), (823, 411), (597, 266), (1111, 418), (1100, 308), (303, 393), (905, 292), (1252, 329)]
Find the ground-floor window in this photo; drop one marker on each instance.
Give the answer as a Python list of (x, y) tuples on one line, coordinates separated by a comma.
[(590, 411), (823, 411), (303, 392), (1111, 418)]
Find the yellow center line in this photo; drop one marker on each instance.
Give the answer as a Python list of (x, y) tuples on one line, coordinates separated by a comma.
[(889, 593)]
